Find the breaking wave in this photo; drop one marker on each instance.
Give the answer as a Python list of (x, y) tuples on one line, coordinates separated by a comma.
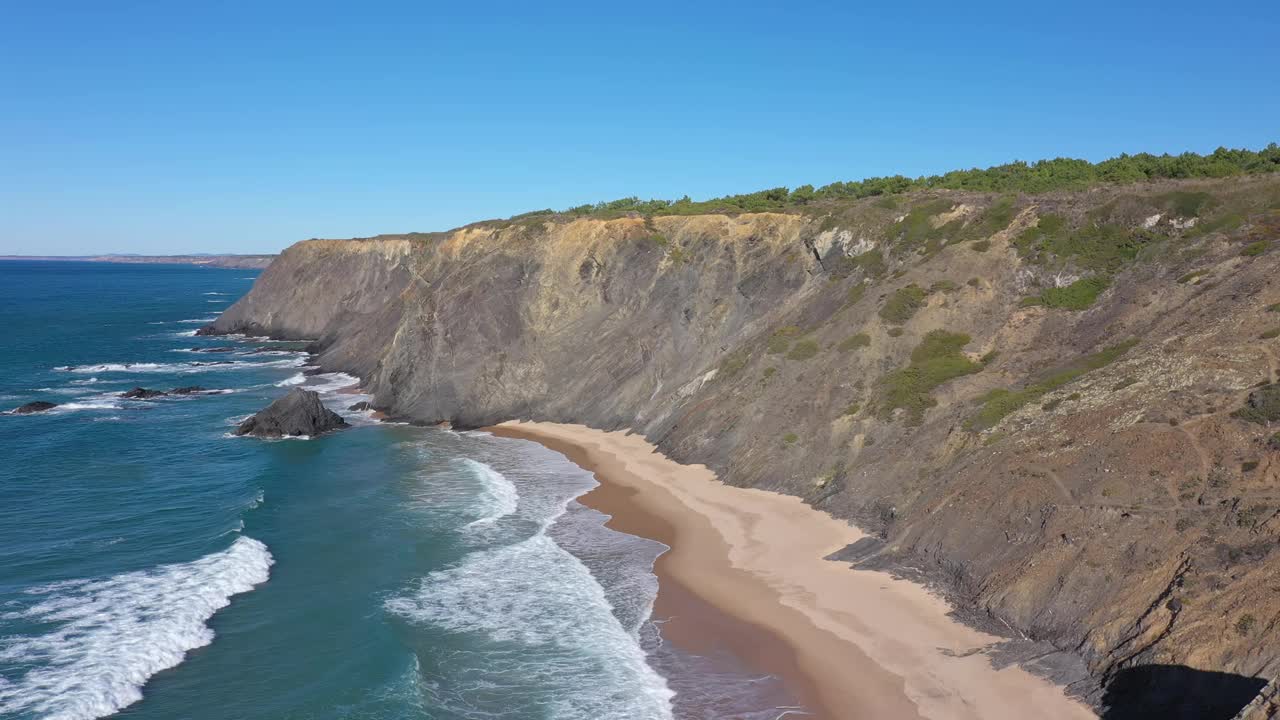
[(107, 637)]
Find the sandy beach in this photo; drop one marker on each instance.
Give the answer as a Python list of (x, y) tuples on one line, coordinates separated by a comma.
[(746, 571)]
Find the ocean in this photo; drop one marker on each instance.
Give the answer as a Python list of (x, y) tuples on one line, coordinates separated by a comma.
[(154, 566)]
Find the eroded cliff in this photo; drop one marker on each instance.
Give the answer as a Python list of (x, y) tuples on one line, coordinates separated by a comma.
[(1032, 399)]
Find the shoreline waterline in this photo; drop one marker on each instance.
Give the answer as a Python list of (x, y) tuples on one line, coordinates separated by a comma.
[(745, 569)]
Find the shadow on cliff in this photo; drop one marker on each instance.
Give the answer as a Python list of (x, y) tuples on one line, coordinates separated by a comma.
[(1177, 692)]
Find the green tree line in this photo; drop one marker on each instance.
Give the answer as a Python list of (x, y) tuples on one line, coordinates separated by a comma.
[(1037, 177)]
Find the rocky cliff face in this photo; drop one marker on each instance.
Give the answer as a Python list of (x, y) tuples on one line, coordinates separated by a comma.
[(1030, 399)]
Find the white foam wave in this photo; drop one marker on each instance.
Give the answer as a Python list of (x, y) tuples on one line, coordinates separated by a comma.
[(86, 381), (188, 367), (498, 496), (216, 293), (332, 382), (110, 635), (184, 333), (61, 391), (216, 301), (88, 404), (296, 379), (198, 321), (537, 595)]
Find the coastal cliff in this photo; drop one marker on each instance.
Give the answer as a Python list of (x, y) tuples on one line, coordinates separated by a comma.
[(1056, 407)]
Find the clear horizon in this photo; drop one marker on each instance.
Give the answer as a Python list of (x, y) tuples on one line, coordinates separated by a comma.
[(236, 129)]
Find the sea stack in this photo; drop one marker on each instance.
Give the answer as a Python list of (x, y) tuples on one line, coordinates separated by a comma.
[(298, 413)]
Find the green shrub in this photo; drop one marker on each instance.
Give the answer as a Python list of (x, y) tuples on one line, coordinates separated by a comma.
[(996, 218), (733, 364), (937, 359), (852, 409), (803, 350), (1254, 249), (1262, 407), (769, 371), (1222, 223), (974, 282), (871, 263), (1100, 247), (1245, 624), (855, 293), (1274, 442), (1270, 334), (1186, 204), (943, 286), (981, 245), (659, 239), (903, 304), (894, 332), (789, 438), (1079, 295), (999, 403), (780, 341), (1274, 308), (916, 229), (1192, 276), (854, 342)]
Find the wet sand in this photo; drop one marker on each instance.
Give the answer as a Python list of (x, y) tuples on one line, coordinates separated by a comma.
[(745, 573)]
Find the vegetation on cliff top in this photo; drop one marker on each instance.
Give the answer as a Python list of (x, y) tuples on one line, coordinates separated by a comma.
[(1037, 177)]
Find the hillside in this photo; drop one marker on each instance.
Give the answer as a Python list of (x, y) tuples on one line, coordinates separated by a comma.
[(1060, 407)]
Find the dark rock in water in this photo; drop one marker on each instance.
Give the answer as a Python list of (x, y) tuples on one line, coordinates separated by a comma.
[(34, 407), (188, 390), (362, 405), (208, 330), (141, 393), (298, 413), (311, 372)]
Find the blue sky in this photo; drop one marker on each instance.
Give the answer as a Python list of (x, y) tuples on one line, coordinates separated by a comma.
[(164, 127)]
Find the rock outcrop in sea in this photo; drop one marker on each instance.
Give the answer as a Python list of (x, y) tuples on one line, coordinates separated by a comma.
[(298, 413), (1030, 400), (38, 406), (141, 393)]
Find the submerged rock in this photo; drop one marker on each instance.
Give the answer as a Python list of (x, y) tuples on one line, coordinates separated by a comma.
[(38, 406), (361, 406), (188, 390), (298, 413), (141, 393)]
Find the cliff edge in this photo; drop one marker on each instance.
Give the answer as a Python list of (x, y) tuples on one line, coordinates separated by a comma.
[(1038, 402)]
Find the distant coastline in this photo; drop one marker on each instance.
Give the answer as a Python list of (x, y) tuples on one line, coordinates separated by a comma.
[(253, 262)]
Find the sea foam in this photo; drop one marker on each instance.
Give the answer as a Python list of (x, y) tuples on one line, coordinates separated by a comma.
[(187, 367), (535, 594), (498, 496), (106, 637)]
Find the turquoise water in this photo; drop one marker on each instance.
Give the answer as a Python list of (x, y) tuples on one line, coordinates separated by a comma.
[(153, 566)]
